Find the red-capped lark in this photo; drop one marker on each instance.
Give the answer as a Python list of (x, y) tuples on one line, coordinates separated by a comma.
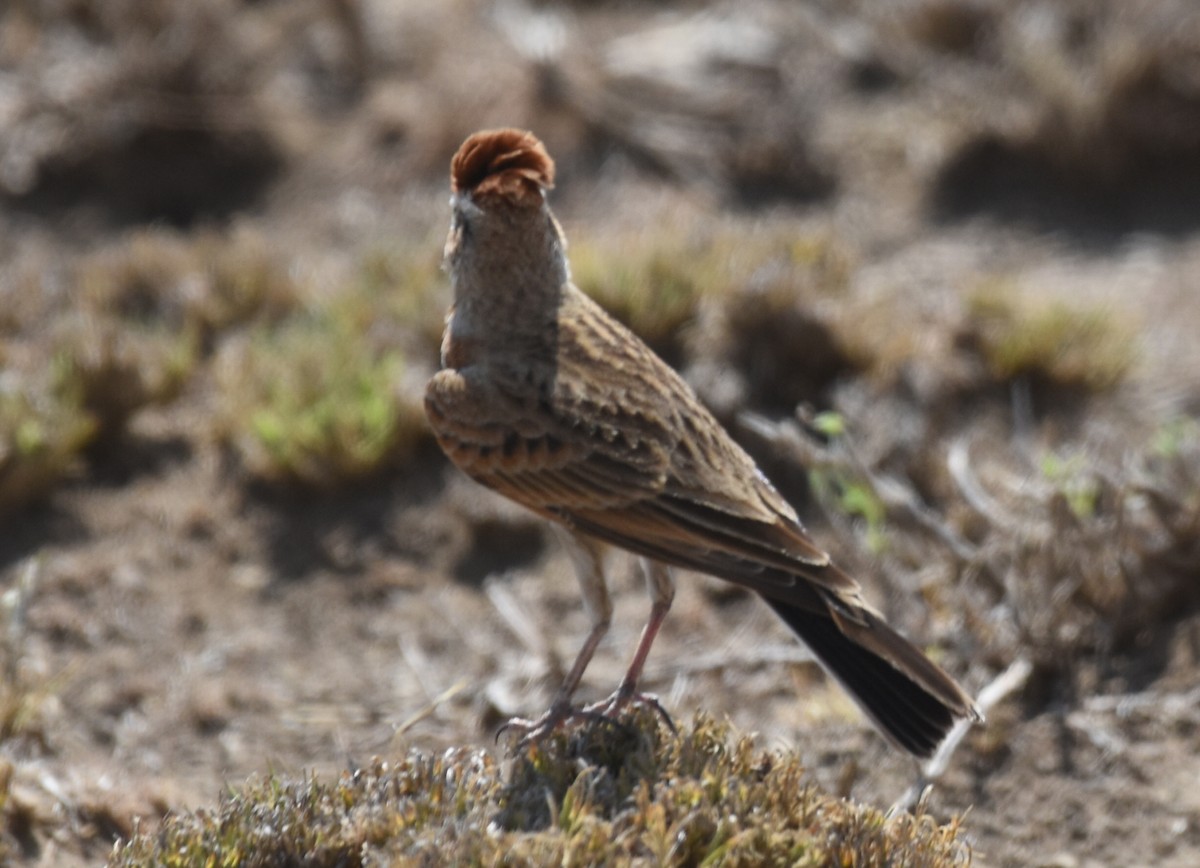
[(548, 400)]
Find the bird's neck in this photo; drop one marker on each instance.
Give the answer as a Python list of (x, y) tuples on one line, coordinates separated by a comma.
[(508, 285)]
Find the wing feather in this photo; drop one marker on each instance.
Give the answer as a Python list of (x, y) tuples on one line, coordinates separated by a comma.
[(637, 460)]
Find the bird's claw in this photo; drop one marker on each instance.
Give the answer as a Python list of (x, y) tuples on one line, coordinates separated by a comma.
[(606, 711), (611, 707), (533, 731)]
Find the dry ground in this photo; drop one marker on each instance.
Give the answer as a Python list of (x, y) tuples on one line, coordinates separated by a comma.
[(185, 625)]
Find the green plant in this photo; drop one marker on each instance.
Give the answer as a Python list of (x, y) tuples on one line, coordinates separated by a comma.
[(312, 401), (840, 486), (1070, 476), (41, 435), (1175, 436)]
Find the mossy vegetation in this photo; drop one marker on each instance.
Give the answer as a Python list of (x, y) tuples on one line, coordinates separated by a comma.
[(599, 793), (311, 391), (149, 307)]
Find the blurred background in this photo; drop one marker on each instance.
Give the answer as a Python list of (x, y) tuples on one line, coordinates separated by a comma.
[(934, 262)]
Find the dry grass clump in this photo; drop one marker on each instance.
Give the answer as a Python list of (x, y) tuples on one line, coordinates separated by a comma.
[(775, 320), (148, 309), (112, 369), (1086, 557), (201, 282), (707, 100), (1096, 115), (1055, 343), (756, 281), (652, 284), (151, 115), (1117, 94), (235, 277), (1049, 547), (41, 436), (408, 294), (594, 794)]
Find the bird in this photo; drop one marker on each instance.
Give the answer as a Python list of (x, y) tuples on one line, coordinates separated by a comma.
[(544, 397)]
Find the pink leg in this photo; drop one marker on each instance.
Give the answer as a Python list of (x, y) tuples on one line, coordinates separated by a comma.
[(662, 594), (588, 558)]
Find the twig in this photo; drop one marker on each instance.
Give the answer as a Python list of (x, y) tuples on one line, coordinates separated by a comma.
[(1099, 734), (786, 434), (445, 696), (414, 656), (1095, 718), (958, 462), (901, 497), (1007, 682), (516, 616), (1125, 703), (897, 497)]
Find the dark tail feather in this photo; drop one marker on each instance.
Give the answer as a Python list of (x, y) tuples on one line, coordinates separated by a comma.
[(905, 693)]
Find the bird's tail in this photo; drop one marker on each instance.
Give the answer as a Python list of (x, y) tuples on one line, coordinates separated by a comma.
[(906, 694)]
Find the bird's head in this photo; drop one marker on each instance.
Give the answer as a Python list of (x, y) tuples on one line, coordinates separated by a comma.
[(496, 173), (506, 254), (498, 179), (502, 168)]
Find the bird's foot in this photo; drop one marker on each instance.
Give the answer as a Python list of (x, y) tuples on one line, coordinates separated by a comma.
[(560, 713), (606, 711), (628, 697)]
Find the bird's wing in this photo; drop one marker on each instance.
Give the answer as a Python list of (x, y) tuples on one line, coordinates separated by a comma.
[(603, 435), (701, 502), (615, 485), (546, 460)]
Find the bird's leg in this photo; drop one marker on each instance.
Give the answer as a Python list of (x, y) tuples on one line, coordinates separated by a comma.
[(588, 557), (661, 586)]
